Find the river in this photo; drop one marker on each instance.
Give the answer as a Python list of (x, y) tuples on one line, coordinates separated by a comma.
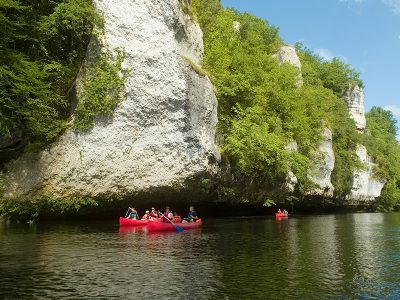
[(304, 257)]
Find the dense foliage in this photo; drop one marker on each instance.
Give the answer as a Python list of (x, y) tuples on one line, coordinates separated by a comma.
[(380, 140), (42, 45), (262, 108), (31, 209), (337, 77)]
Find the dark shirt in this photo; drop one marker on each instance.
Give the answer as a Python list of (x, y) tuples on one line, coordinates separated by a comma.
[(192, 214)]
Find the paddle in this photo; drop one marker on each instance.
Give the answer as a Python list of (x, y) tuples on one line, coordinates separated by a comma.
[(178, 229), (127, 212)]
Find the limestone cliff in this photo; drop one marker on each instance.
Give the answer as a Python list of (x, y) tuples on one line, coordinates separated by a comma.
[(291, 179), (325, 158), (366, 185), (355, 102), (162, 135)]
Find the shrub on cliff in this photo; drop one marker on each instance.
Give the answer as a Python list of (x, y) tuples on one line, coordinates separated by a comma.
[(101, 89), (42, 45)]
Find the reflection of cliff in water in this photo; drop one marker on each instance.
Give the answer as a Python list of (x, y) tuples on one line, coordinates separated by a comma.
[(335, 255), (332, 256), (104, 261)]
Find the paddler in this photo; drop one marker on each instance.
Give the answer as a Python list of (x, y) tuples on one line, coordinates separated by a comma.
[(133, 215), (285, 212), (168, 214), (192, 216), (153, 214), (177, 218), (146, 216)]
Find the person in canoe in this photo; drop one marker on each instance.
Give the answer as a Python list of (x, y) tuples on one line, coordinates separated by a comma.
[(192, 216), (133, 214), (177, 218), (146, 216), (279, 211), (154, 214), (168, 214), (285, 212)]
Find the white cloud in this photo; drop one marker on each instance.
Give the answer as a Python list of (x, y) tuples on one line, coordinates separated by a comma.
[(394, 109), (328, 55), (325, 53), (393, 4)]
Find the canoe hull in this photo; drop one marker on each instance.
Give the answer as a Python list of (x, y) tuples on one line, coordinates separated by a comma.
[(129, 222), (281, 215), (155, 226)]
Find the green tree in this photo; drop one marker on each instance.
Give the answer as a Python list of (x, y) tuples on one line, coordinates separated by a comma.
[(42, 45)]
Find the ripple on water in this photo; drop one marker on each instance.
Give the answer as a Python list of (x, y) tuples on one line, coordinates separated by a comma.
[(348, 256)]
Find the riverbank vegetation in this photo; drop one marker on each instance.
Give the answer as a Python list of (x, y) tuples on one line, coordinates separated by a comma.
[(31, 209)]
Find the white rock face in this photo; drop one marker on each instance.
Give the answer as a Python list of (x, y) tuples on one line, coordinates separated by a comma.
[(355, 102), (163, 133), (321, 174), (288, 54), (366, 186), (291, 179), (236, 26)]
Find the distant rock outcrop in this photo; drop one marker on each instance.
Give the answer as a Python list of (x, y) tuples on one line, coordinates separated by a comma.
[(366, 186), (321, 174), (325, 158), (355, 102), (287, 54), (291, 179)]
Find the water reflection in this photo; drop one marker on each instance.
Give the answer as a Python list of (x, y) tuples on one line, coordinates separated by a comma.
[(336, 256)]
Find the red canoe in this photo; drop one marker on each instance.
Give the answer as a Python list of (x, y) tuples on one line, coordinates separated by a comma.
[(281, 215), (162, 226), (130, 222)]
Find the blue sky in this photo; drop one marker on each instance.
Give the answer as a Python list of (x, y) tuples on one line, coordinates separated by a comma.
[(364, 33)]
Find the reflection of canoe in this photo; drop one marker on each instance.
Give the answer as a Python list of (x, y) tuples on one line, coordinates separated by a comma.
[(160, 226), (130, 222), (132, 229), (281, 215)]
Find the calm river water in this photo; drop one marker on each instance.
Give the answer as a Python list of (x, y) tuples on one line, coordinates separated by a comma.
[(307, 257)]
